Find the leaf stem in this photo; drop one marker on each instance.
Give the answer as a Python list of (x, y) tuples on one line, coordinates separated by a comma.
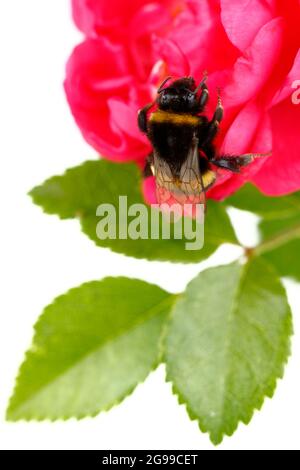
[(274, 242)]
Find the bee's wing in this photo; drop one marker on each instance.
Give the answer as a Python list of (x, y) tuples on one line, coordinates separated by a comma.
[(188, 188)]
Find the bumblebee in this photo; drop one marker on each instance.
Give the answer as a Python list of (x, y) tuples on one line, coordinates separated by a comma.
[(184, 160)]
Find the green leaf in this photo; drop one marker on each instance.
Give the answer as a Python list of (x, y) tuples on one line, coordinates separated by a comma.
[(227, 343), (82, 189), (249, 198), (279, 227), (91, 348), (280, 245)]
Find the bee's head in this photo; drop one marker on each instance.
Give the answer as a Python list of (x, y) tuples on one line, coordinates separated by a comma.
[(179, 97)]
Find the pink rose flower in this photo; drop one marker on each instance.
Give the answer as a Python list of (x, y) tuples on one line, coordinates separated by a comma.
[(250, 49)]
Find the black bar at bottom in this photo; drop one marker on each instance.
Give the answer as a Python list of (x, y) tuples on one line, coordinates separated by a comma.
[(124, 458)]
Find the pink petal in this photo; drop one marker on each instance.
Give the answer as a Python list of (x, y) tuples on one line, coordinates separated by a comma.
[(241, 133), (109, 17), (249, 133), (242, 19), (287, 86), (124, 117), (83, 17), (93, 15), (291, 43), (254, 68), (263, 140), (172, 54), (199, 33), (219, 192), (97, 70), (281, 173), (149, 190), (151, 18)]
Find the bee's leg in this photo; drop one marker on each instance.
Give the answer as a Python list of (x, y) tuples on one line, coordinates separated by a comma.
[(203, 97), (219, 112), (236, 163), (214, 124), (232, 163), (142, 118), (204, 92), (148, 168)]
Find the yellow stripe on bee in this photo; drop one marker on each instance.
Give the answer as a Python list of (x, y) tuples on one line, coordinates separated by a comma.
[(208, 178), (173, 118)]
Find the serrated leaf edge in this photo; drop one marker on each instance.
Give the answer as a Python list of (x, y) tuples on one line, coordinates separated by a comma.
[(170, 299), (268, 393), (193, 417)]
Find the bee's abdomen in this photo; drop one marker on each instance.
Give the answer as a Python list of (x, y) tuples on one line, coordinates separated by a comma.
[(171, 135)]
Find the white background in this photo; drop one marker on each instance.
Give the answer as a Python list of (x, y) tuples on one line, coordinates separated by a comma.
[(41, 257)]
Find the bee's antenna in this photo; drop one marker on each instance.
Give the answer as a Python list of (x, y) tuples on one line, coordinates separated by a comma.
[(201, 83), (163, 84)]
